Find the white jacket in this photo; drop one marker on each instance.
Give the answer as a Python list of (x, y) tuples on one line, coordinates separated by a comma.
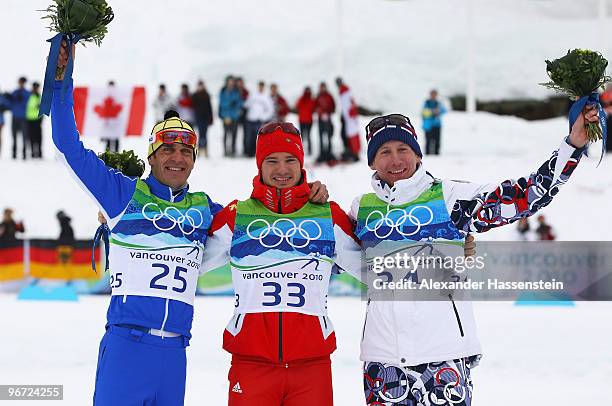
[(410, 333), (260, 107)]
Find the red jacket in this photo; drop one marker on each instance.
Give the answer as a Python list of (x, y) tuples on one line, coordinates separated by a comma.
[(305, 107), (282, 107), (325, 105), (280, 337)]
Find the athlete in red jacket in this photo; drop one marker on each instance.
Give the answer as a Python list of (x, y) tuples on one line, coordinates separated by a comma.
[(282, 250), (305, 107)]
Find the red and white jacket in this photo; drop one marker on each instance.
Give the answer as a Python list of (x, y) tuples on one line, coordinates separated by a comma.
[(350, 115), (280, 337)]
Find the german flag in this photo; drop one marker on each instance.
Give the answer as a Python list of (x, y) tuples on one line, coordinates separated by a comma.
[(51, 260), (11, 260)]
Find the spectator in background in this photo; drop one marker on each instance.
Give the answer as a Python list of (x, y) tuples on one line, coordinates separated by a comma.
[(260, 109), (112, 131), (305, 107), (349, 119), (544, 231), (523, 228), (230, 107), (4, 105), (34, 122), (244, 95), (19, 99), (203, 115), (325, 107), (9, 227), (184, 105), (66, 236), (432, 123), (163, 102), (281, 107)]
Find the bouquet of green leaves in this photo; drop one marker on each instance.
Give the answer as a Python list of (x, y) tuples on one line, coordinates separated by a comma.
[(126, 162), (73, 21), (579, 74), (88, 18)]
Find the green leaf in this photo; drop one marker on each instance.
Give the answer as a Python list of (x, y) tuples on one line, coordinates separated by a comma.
[(579, 73), (126, 162)]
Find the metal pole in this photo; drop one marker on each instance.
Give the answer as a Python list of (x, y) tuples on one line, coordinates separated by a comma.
[(339, 39), (603, 39), (470, 92)]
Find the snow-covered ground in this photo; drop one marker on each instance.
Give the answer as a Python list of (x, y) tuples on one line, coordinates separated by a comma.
[(533, 356)]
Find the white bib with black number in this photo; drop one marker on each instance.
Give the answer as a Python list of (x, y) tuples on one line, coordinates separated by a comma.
[(171, 273)]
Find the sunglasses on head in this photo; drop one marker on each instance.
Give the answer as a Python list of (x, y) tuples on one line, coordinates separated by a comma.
[(172, 136), (383, 121), (269, 128)]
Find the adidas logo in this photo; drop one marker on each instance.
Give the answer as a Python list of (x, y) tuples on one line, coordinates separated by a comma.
[(237, 388)]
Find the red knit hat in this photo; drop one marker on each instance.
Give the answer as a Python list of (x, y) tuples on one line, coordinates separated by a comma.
[(278, 137)]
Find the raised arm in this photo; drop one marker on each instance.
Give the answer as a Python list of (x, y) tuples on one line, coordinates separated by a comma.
[(483, 207), (110, 189)]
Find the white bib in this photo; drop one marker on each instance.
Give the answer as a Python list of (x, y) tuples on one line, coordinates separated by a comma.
[(171, 273), (298, 285)]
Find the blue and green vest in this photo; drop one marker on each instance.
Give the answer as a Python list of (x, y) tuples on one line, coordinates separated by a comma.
[(282, 262), (157, 246), (420, 227)]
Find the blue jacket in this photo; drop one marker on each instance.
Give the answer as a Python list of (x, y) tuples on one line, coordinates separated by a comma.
[(112, 191), (4, 105), (430, 119), (230, 104), (19, 100)]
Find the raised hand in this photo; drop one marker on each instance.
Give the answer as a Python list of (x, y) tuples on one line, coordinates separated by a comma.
[(578, 136), (62, 60)]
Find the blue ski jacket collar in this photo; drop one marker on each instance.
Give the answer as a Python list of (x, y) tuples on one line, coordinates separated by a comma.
[(165, 192)]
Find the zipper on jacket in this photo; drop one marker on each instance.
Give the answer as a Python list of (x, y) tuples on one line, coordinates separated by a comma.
[(280, 337), (237, 320), (450, 296), (280, 206), (365, 321), (325, 322)]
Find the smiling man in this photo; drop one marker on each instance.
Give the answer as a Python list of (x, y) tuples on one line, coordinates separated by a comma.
[(282, 250), (158, 231), (421, 352)]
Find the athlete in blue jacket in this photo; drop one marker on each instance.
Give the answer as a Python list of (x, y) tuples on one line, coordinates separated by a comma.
[(158, 233)]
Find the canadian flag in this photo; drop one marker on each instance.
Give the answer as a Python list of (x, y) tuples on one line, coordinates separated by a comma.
[(110, 112)]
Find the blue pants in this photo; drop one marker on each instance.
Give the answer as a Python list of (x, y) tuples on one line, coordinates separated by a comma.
[(139, 369)]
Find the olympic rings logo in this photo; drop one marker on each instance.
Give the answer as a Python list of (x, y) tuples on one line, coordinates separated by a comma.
[(187, 222), (386, 220), (294, 230)]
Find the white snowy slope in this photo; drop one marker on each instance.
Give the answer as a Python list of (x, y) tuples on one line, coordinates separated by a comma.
[(542, 356), (394, 51)]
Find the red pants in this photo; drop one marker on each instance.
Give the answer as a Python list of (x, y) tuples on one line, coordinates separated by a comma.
[(301, 383)]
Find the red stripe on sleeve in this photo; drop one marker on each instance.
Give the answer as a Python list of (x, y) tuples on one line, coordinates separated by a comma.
[(225, 216), (342, 220)]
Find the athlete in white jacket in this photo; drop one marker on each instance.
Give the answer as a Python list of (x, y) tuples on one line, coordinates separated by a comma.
[(420, 352)]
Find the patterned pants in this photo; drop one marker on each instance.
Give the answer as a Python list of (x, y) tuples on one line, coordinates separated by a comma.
[(434, 384)]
